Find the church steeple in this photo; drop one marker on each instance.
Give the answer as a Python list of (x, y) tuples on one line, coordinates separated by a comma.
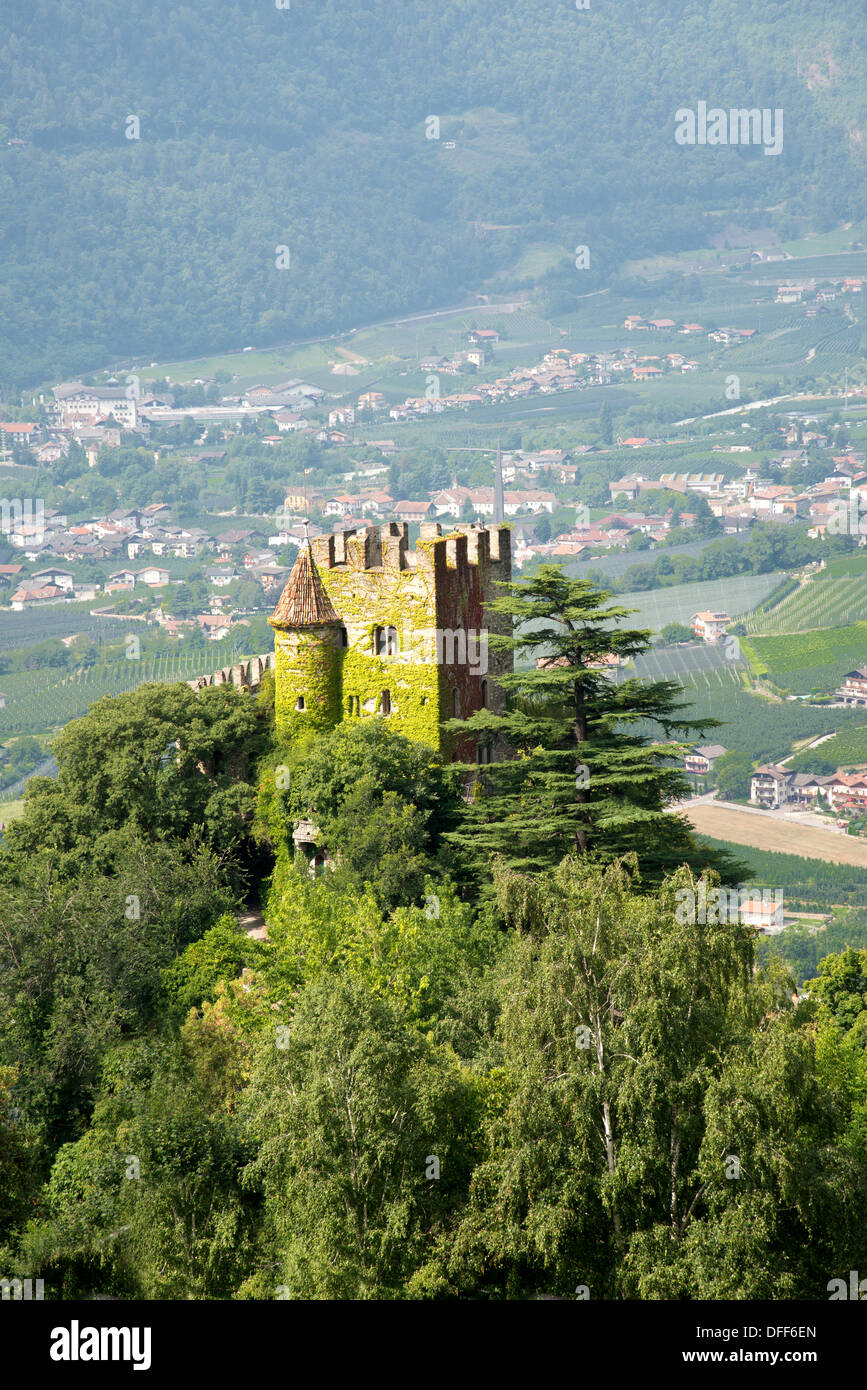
[(499, 496)]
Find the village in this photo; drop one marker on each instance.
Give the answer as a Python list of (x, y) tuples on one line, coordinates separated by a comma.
[(128, 557)]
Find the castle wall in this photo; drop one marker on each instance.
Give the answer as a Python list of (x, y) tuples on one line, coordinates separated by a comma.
[(434, 597), (372, 583), (307, 667), (246, 675)]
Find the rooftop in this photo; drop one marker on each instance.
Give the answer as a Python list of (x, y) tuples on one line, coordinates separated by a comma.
[(304, 602)]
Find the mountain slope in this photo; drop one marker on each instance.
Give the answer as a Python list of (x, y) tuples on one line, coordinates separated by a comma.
[(305, 128)]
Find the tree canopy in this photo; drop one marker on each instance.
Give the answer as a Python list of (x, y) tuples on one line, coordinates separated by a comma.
[(585, 771)]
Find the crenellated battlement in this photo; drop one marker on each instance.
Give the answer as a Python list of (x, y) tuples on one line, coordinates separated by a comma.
[(365, 626), (245, 675), (386, 547)]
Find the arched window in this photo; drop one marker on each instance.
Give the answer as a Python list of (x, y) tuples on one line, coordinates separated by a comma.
[(456, 704), (385, 641), (299, 703), (484, 694), (385, 702), (483, 753), (343, 637)]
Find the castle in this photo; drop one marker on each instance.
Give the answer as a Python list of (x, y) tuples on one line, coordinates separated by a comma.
[(366, 627)]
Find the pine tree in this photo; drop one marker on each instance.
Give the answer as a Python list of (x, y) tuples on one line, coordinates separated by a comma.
[(588, 771)]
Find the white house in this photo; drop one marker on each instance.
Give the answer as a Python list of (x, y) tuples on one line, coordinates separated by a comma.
[(153, 576), (710, 626)]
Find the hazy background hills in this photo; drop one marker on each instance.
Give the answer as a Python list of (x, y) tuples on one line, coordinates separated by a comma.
[(305, 128)]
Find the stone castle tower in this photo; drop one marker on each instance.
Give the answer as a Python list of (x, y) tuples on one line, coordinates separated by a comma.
[(366, 627)]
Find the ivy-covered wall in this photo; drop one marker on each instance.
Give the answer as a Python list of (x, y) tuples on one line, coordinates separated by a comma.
[(400, 599), (374, 582), (307, 666)]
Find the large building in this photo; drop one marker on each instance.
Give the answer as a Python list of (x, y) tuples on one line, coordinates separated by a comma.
[(702, 758), (366, 627), (853, 691), (710, 626)]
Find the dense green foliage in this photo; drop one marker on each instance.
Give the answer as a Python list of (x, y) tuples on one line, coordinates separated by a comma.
[(305, 128), (583, 775), (802, 662), (465, 1081), (164, 761), (769, 547), (384, 799), (733, 774)]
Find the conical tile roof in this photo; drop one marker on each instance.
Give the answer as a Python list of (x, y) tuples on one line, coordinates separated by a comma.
[(304, 602)]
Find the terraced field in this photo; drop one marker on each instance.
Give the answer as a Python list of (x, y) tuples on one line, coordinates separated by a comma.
[(44, 700), (848, 748), (656, 607), (835, 601), (802, 662), (37, 625), (699, 665)]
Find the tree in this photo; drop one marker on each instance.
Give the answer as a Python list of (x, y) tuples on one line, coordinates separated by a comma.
[(677, 632), (733, 773), (706, 524), (639, 540), (164, 760), (150, 1197), (187, 599), (81, 957), (654, 1125), (220, 954), (381, 841), (542, 528), (416, 956), (584, 774), (326, 773), (365, 1133), (841, 991), (378, 799), (19, 1155)]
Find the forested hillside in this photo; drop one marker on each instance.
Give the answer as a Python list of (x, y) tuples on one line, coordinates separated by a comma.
[(305, 128)]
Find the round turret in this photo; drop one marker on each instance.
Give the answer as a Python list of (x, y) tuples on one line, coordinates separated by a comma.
[(309, 641)]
